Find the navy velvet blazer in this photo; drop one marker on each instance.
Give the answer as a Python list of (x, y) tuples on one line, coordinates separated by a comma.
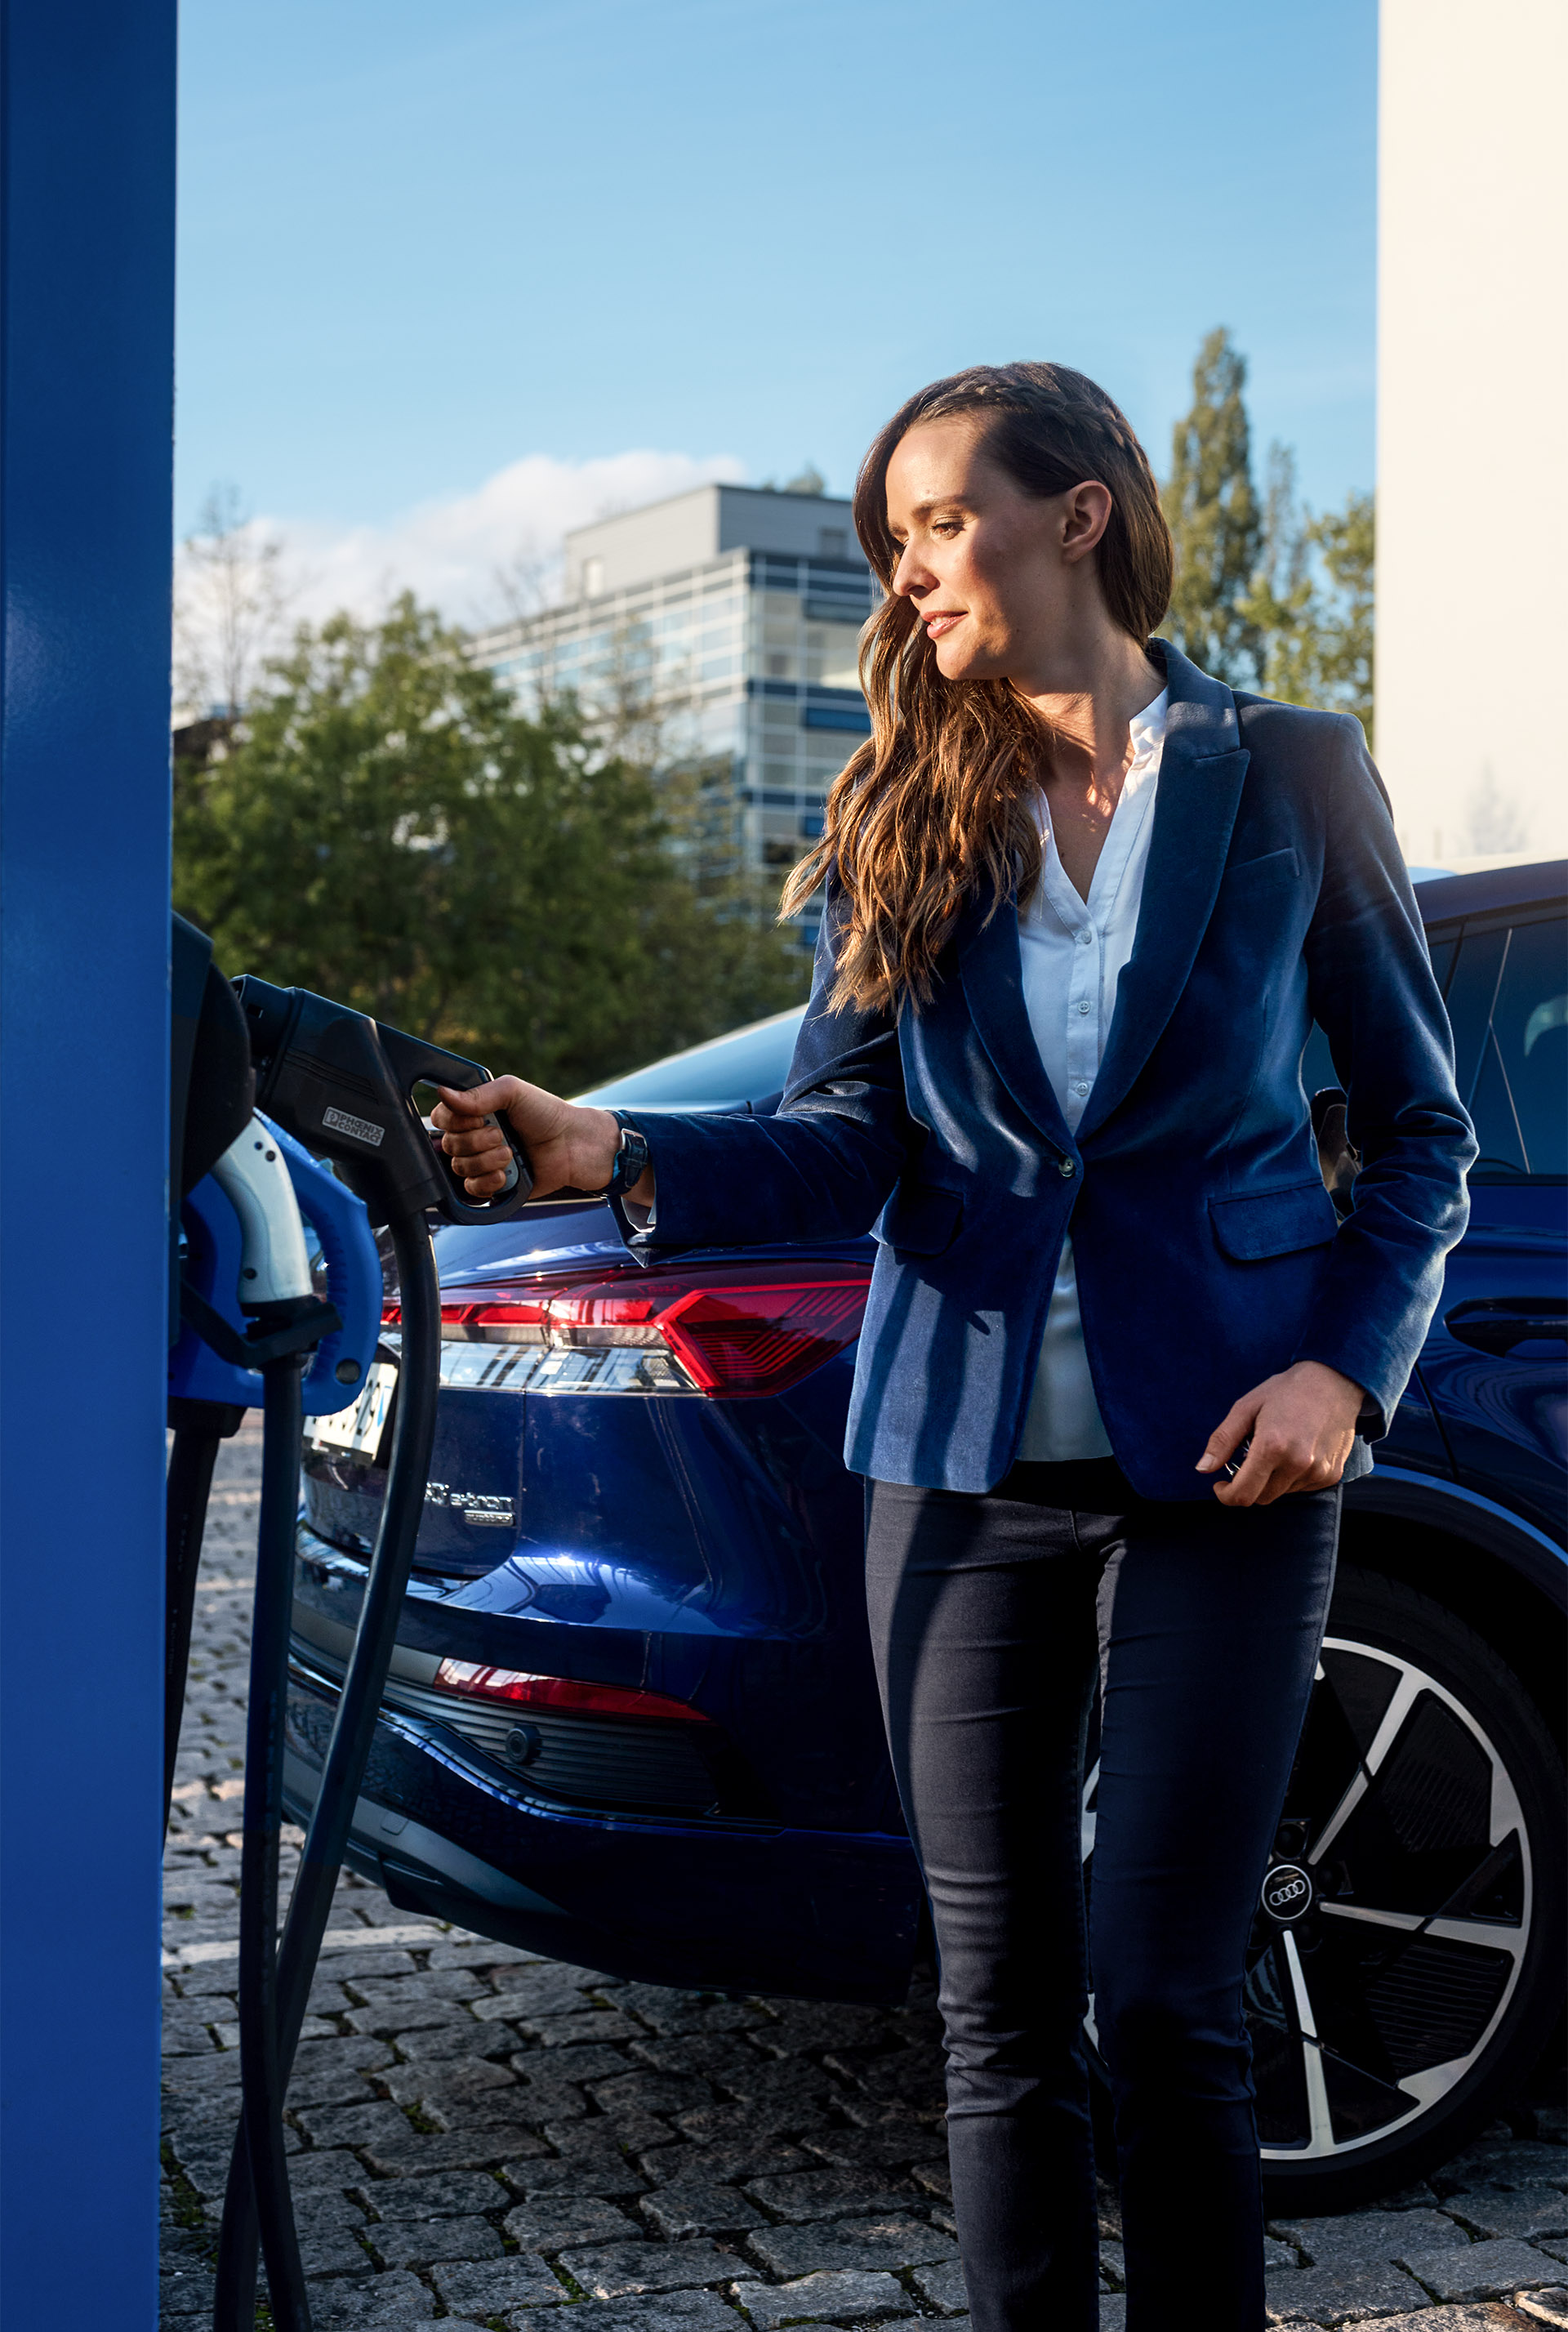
[(1209, 1254)]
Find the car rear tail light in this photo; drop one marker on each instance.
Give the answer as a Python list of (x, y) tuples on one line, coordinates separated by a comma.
[(730, 1336), (735, 1341), (519, 1689)]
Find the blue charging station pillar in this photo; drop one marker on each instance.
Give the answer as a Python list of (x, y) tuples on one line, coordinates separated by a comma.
[(86, 380)]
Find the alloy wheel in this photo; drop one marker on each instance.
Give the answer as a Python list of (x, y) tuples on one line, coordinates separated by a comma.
[(1403, 1966), (1372, 1993)]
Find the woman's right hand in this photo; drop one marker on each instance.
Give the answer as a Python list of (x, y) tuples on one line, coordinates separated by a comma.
[(569, 1147)]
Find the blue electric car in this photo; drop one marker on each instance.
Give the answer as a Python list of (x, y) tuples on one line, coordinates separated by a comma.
[(631, 1722)]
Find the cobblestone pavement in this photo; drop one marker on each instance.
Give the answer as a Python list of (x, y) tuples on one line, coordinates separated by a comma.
[(482, 2137)]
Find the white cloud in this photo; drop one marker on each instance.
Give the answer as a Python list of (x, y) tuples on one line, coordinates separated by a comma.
[(475, 557), (448, 553)]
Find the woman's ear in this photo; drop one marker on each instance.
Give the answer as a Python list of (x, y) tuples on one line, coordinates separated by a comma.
[(1085, 514)]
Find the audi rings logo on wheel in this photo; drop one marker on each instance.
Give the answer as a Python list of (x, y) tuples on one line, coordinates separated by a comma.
[(1288, 1893)]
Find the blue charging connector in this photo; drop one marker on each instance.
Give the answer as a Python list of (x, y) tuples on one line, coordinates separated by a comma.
[(336, 1375)]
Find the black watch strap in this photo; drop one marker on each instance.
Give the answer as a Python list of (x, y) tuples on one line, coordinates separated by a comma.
[(631, 1161)]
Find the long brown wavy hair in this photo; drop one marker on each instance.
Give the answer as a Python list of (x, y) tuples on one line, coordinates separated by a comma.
[(939, 804)]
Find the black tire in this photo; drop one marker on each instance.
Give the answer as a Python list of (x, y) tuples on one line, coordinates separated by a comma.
[(1425, 1812)]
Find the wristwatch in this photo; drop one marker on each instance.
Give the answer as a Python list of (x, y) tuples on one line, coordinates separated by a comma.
[(631, 1161)]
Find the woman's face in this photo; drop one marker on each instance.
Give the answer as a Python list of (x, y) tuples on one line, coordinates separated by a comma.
[(1001, 579)]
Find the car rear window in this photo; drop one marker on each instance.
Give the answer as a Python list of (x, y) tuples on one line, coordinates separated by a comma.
[(748, 1067)]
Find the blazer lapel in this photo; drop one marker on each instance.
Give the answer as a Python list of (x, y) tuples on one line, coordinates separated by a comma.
[(991, 963), (1199, 787)]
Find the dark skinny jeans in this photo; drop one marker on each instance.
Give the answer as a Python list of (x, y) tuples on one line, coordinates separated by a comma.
[(990, 1617)]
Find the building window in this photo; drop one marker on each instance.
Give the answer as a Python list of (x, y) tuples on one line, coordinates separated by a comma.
[(854, 718), (832, 542), (833, 656)]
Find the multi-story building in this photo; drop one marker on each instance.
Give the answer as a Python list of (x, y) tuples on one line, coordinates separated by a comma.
[(722, 625)]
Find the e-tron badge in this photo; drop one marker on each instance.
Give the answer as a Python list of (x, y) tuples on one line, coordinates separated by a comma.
[(1288, 1893)]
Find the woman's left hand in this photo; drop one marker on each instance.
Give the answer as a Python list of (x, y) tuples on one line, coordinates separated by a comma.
[(1302, 1428)]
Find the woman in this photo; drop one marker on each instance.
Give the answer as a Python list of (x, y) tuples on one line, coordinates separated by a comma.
[(1083, 905)]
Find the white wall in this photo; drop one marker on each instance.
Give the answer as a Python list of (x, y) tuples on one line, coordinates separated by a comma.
[(1472, 678), (635, 545)]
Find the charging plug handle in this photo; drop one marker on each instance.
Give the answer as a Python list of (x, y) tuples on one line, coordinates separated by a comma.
[(343, 1084)]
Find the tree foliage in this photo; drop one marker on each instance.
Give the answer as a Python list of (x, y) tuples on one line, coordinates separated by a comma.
[(1214, 518), (1312, 600), (384, 826), (1266, 596)]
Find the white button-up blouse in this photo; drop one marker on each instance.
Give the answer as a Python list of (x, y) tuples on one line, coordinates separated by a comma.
[(1072, 953)]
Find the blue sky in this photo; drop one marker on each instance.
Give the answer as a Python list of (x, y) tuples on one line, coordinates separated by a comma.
[(421, 244)]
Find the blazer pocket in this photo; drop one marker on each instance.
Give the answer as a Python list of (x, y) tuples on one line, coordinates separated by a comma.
[(1273, 1222), (1275, 866), (921, 1220)]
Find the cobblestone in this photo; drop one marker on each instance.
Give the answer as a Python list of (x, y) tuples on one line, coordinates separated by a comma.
[(869, 2242), (407, 2152), (405, 2242), (566, 2031), (489, 2287), (878, 2149), (551, 2221), (1369, 2235), (697, 2206), (841, 2298), (1350, 2294), (1490, 2315), (332, 2251), (383, 2303), (1505, 2161), (1523, 2210), (942, 2286), (1482, 2270), (619, 2269), (812, 2194), (1548, 2307), (671, 2311), (673, 2155), (449, 2193), (184, 2291), (607, 2173)]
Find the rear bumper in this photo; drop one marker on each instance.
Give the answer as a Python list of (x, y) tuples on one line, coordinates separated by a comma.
[(722, 1905)]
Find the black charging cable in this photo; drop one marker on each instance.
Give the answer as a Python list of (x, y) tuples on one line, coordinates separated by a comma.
[(199, 1429), (258, 2205), (261, 2060)]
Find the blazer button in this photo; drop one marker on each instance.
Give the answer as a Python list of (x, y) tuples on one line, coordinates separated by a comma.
[(1067, 1168)]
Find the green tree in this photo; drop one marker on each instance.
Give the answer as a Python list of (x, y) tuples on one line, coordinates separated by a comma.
[(1312, 599), (386, 828), (1215, 520), (1266, 597)]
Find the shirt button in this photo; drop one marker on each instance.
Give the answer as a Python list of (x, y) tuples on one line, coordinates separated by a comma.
[(1085, 939), (1081, 1085), (1067, 1168), (1082, 1004)]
